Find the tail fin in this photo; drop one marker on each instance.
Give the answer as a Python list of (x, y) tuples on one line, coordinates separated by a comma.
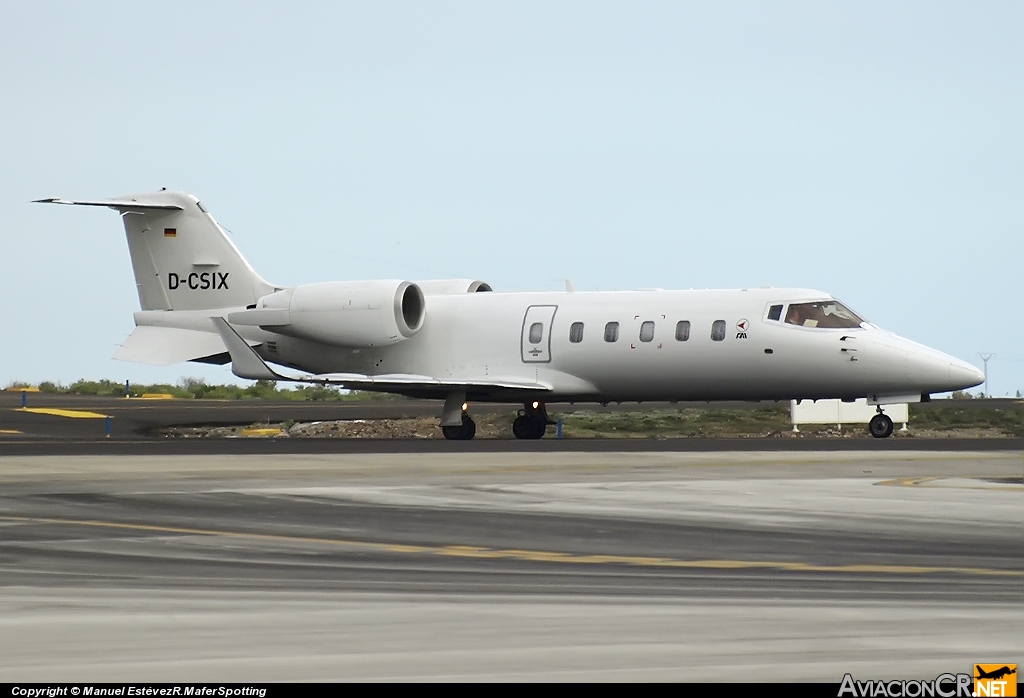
[(182, 259)]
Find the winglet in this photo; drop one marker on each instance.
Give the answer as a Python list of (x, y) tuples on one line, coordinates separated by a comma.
[(245, 363)]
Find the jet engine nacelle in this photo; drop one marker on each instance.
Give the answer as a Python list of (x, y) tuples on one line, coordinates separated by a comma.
[(343, 313), (450, 287)]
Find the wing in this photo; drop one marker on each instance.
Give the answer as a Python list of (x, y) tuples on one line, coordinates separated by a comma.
[(246, 363)]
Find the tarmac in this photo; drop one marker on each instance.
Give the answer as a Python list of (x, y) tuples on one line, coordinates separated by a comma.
[(416, 560), (509, 566)]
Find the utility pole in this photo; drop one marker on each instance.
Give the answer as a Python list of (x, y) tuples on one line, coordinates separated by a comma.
[(984, 359)]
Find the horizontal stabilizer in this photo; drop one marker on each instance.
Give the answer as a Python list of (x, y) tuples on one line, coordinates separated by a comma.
[(163, 346), (120, 204)]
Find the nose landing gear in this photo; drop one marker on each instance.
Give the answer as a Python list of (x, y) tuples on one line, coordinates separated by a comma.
[(880, 425), (532, 421)]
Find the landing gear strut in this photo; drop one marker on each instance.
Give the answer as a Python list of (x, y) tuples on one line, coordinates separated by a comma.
[(456, 424), (880, 425), (532, 421)]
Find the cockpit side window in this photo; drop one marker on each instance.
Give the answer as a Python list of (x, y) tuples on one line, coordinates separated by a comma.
[(825, 314), (775, 312)]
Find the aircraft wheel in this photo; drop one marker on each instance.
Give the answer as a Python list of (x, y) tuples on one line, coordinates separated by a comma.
[(463, 432), (880, 426), (521, 427), (525, 428)]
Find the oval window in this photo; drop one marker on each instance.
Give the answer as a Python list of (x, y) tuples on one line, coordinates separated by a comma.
[(576, 332), (682, 330), (718, 330), (647, 331), (611, 332), (536, 333)]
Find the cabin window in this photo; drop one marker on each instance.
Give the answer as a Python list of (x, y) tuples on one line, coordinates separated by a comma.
[(647, 331), (536, 332), (682, 330), (718, 330), (827, 314), (775, 312), (611, 332), (576, 332)]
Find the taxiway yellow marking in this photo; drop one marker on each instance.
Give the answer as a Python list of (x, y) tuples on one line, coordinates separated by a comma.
[(472, 551), (262, 431), (9, 431), (926, 482), (74, 414), (905, 481)]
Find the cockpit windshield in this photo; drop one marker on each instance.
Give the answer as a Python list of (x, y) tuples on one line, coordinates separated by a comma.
[(829, 314)]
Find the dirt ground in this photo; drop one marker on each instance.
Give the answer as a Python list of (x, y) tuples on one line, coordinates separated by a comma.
[(499, 427)]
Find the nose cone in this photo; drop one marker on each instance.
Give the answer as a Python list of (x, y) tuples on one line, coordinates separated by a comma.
[(964, 375), (922, 369), (939, 373)]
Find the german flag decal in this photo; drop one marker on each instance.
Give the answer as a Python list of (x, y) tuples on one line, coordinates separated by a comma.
[(170, 232)]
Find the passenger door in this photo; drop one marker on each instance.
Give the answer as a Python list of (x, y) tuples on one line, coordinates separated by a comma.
[(535, 340)]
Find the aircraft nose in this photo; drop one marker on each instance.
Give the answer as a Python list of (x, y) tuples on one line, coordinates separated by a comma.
[(965, 375)]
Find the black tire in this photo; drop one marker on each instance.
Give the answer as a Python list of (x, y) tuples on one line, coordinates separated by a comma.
[(522, 428), (880, 426), (525, 428), (463, 432)]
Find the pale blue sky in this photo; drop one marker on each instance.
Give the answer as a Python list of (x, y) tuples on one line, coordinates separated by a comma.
[(870, 150)]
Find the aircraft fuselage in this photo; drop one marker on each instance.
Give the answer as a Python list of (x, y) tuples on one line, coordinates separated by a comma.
[(480, 336)]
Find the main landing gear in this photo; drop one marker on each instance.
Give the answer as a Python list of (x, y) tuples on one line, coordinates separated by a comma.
[(532, 421), (456, 424), (880, 425), (462, 432)]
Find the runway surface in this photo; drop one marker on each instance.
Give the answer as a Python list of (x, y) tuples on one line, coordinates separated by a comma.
[(510, 565)]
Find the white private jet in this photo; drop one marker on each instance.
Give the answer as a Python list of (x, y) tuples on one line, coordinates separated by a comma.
[(459, 341)]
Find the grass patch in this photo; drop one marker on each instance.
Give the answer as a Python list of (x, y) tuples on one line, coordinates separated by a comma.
[(938, 417), (679, 423)]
